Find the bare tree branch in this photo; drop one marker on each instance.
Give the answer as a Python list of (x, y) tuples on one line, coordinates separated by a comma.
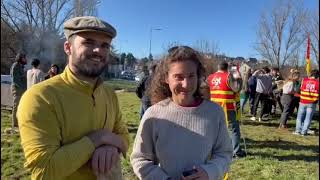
[(9, 16), (37, 26), (279, 36)]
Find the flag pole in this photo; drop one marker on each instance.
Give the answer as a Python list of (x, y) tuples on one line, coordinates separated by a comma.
[(308, 63)]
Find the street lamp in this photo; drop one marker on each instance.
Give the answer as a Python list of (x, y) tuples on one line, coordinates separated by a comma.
[(156, 29)]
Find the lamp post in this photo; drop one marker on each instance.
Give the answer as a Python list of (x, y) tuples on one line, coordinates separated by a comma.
[(156, 29)]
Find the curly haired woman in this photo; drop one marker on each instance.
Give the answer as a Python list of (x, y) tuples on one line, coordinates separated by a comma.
[(183, 135)]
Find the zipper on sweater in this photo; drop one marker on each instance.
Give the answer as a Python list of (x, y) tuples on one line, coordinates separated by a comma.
[(93, 99)]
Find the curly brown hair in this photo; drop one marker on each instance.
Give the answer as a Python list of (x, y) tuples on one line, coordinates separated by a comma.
[(159, 89)]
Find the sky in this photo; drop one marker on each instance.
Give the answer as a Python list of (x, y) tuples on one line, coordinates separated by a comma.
[(229, 24)]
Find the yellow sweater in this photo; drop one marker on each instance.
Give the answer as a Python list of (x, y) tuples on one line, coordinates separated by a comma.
[(54, 118)]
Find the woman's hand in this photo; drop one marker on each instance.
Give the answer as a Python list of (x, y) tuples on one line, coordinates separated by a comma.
[(201, 174)]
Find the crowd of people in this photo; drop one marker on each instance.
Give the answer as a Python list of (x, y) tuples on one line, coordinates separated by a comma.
[(71, 127), (267, 88)]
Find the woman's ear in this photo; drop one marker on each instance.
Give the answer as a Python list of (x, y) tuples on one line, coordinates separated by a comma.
[(166, 79)]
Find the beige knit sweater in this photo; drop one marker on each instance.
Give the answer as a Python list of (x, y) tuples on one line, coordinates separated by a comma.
[(172, 139)]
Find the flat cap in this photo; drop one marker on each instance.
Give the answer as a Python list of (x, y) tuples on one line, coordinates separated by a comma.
[(88, 24)]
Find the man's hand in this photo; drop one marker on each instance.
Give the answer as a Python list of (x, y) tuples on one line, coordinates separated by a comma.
[(236, 75), (105, 137), (201, 174), (258, 71), (104, 158)]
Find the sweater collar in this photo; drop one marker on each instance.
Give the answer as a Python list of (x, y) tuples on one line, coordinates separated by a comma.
[(78, 84), (186, 109)]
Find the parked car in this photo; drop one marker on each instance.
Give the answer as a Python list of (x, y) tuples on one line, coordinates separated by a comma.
[(127, 75), (6, 96), (138, 77), (6, 79)]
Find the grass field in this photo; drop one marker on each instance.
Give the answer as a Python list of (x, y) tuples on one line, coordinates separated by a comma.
[(118, 84), (273, 153)]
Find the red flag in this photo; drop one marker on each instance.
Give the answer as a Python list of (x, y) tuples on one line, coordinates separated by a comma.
[(308, 65), (308, 47)]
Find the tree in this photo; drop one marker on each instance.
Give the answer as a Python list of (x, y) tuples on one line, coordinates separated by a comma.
[(312, 26), (294, 61), (280, 33), (122, 58), (145, 60), (207, 48), (37, 25), (8, 42), (150, 57), (85, 7), (46, 15), (130, 60)]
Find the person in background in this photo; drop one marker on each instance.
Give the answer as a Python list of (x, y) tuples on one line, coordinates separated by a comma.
[(34, 75), (181, 132), (252, 86), (309, 97), (296, 95), (287, 97), (263, 91), (276, 78), (71, 125), (141, 90), (18, 85), (53, 71), (245, 91), (223, 88)]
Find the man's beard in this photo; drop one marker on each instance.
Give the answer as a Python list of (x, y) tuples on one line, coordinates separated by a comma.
[(86, 69)]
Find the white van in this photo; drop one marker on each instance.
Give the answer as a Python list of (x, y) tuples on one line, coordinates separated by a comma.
[(6, 96)]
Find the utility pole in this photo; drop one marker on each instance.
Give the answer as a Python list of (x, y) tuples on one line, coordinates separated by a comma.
[(151, 29)]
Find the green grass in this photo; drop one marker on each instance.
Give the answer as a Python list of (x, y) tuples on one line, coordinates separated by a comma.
[(118, 84), (130, 106), (12, 158), (273, 153)]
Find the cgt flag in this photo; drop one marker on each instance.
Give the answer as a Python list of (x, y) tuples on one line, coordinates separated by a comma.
[(308, 63)]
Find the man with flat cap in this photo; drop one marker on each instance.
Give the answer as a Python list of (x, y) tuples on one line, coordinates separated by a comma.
[(70, 125)]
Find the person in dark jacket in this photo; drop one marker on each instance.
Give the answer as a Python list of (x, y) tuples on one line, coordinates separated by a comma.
[(296, 96), (252, 85), (276, 77), (141, 90), (263, 92), (18, 85), (244, 93)]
